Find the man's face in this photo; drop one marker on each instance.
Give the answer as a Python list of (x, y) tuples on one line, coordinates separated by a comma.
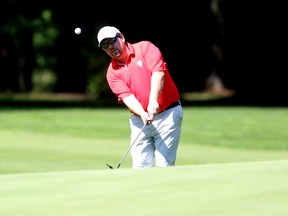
[(112, 46)]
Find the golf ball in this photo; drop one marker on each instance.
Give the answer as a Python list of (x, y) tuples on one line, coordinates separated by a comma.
[(77, 30)]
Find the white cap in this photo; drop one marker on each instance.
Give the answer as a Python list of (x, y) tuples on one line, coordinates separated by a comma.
[(106, 32)]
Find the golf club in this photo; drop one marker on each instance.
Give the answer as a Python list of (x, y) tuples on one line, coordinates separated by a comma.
[(128, 149)]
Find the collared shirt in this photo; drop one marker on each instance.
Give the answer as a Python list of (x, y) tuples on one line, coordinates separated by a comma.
[(134, 77)]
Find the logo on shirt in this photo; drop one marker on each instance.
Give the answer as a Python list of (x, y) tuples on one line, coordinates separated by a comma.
[(140, 63)]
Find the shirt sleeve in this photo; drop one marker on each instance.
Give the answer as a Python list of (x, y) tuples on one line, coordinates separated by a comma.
[(154, 58)]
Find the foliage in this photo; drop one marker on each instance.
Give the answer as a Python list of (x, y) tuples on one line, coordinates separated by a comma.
[(37, 52)]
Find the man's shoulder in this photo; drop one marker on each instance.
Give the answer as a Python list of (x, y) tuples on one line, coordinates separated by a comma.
[(144, 44)]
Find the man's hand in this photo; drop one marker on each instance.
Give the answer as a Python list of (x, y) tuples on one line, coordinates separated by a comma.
[(146, 118), (153, 108)]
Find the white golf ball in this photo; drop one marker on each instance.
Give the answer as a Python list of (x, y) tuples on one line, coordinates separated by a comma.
[(77, 30)]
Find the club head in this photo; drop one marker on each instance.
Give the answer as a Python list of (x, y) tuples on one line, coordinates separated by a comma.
[(109, 166)]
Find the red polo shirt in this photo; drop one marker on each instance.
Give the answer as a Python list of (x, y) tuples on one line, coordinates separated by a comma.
[(135, 76)]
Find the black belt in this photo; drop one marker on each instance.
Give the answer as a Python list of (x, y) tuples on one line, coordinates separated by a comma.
[(177, 103)]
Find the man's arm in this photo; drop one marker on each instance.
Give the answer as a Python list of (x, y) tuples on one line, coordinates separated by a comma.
[(157, 83), (134, 105)]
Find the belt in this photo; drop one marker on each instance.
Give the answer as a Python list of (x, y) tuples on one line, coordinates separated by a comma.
[(177, 103)]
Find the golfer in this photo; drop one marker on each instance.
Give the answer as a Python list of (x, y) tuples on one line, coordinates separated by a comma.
[(139, 77)]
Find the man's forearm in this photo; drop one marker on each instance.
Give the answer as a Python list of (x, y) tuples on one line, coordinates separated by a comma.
[(157, 83)]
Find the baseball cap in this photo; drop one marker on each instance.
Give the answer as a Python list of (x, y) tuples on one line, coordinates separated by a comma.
[(106, 32)]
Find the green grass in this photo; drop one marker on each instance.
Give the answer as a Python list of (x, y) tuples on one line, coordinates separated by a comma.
[(68, 139), (250, 189), (231, 161)]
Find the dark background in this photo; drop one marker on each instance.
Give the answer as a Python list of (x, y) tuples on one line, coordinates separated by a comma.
[(243, 42)]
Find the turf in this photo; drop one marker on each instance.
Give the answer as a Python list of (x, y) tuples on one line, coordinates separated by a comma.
[(231, 161), (34, 140), (230, 189)]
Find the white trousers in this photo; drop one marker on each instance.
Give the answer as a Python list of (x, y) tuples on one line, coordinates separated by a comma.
[(158, 143)]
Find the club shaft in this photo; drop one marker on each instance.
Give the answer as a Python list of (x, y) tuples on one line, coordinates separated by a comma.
[(131, 146)]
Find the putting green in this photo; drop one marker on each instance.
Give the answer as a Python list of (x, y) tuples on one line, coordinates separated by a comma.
[(227, 189)]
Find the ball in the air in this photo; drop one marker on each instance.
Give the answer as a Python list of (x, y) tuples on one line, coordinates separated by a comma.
[(77, 30)]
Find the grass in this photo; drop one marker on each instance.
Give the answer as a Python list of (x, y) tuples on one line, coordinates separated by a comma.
[(250, 189), (61, 139), (231, 161)]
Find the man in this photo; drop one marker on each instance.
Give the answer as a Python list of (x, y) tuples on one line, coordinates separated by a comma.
[(139, 77)]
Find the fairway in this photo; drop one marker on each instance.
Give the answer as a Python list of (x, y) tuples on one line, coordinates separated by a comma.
[(231, 161), (234, 189), (39, 140)]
